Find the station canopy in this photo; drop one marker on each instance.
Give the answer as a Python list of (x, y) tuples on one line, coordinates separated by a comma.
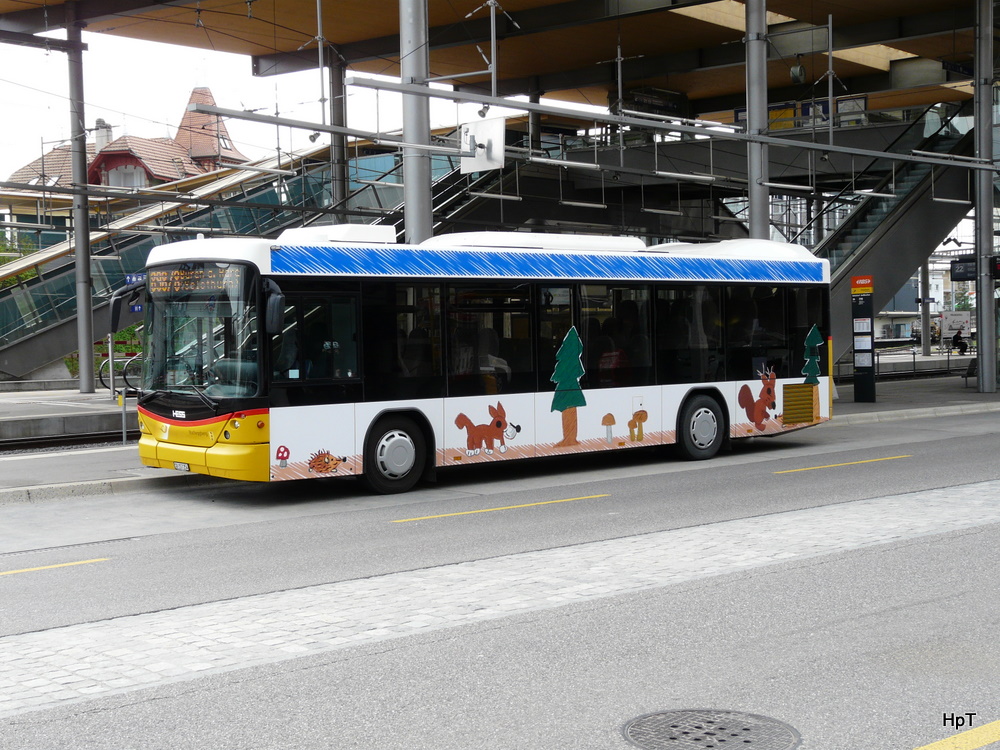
[(690, 53)]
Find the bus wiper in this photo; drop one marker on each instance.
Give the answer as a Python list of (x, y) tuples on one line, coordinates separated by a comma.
[(146, 396), (205, 399)]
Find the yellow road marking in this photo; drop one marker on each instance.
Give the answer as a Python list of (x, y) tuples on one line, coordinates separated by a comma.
[(506, 507), (50, 567), (969, 740), (849, 463)]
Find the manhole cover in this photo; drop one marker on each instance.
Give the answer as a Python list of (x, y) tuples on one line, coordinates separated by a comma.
[(682, 730)]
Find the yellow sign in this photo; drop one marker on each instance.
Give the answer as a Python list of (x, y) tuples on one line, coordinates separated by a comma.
[(862, 284)]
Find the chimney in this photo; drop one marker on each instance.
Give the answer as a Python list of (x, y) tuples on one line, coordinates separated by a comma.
[(102, 134)]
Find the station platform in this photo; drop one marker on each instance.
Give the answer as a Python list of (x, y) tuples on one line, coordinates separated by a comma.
[(28, 476), (27, 415)]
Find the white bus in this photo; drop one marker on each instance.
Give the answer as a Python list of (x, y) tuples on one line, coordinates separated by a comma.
[(333, 351)]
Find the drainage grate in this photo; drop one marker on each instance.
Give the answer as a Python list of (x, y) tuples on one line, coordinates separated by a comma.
[(701, 728)]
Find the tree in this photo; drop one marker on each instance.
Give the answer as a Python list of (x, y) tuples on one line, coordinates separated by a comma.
[(965, 301), (566, 375), (10, 250), (814, 340)]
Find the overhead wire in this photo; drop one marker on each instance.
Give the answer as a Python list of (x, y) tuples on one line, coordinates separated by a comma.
[(210, 29)]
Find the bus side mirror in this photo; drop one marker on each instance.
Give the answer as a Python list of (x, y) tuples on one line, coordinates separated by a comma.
[(117, 299), (274, 312), (116, 313)]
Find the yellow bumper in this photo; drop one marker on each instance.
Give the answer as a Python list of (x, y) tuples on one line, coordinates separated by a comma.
[(246, 462), (234, 446)]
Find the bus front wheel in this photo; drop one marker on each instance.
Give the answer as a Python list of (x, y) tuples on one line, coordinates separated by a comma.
[(394, 455), (701, 428)]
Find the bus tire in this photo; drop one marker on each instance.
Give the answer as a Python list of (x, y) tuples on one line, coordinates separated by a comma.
[(701, 428), (395, 455)]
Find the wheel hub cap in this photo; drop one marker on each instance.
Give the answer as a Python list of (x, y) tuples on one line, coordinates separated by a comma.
[(704, 428), (396, 454)]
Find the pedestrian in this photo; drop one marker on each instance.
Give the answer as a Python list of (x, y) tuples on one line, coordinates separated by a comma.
[(958, 342)]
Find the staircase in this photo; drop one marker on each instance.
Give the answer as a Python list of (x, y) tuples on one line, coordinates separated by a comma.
[(896, 225)]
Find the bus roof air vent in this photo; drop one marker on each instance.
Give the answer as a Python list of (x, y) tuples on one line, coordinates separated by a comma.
[(321, 235), (535, 241)]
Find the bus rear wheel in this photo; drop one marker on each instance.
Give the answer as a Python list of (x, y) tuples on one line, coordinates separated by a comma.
[(701, 428), (395, 455)]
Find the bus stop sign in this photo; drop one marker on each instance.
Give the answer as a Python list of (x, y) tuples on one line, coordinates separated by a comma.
[(863, 314)]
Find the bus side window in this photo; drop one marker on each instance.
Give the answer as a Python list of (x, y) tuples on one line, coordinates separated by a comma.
[(555, 317), (807, 307), (402, 340), (286, 348), (489, 348), (617, 348), (755, 332), (341, 349), (772, 330), (689, 334), (319, 340)]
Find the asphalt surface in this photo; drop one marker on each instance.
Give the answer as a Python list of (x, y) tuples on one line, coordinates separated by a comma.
[(856, 604), (87, 470)]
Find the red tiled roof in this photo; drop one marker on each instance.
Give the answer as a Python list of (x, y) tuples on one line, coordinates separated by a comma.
[(163, 158), (205, 136), (57, 164), (202, 142)]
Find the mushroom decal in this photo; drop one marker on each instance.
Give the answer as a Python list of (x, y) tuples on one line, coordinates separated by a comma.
[(608, 421), (636, 424), (282, 455)]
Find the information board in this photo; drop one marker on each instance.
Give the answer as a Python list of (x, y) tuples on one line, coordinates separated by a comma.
[(863, 313)]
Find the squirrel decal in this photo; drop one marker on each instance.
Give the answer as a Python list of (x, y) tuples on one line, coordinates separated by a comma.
[(485, 436), (757, 409)]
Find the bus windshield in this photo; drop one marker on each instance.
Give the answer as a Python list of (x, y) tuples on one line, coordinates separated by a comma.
[(201, 330)]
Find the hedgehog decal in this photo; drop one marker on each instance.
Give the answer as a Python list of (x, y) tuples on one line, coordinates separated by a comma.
[(324, 462)]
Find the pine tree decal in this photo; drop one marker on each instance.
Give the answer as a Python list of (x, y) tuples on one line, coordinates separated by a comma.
[(566, 376), (814, 339)]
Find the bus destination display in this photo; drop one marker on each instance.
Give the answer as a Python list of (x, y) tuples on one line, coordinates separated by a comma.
[(177, 280)]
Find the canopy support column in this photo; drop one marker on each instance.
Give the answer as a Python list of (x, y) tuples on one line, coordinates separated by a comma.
[(986, 328), (415, 68), (81, 212), (338, 142), (758, 194)]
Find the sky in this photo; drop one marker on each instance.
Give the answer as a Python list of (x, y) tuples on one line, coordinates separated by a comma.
[(142, 89)]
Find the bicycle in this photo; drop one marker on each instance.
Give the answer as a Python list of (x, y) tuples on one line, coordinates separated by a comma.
[(127, 371)]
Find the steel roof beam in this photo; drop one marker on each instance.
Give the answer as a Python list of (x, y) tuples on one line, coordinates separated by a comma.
[(40, 42), (887, 32), (715, 130), (50, 17), (476, 31)]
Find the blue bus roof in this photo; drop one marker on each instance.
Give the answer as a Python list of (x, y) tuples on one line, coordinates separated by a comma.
[(407, 261)]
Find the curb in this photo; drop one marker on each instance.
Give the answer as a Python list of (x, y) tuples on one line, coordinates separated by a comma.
[(894, 415), (120, 486)]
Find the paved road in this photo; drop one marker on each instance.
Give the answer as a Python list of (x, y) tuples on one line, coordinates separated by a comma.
[(74, 663), (856, 602)]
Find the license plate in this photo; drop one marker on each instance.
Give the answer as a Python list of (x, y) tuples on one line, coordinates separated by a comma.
[(180, 466)]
